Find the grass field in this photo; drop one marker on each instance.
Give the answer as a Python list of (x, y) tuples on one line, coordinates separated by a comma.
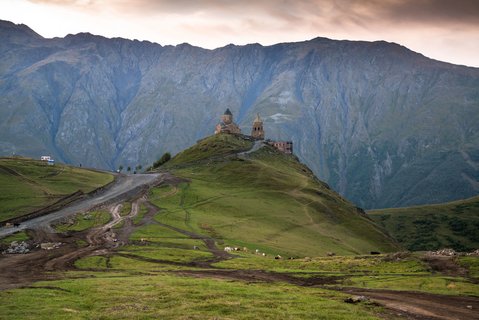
[(18, 236), (448, 225), (27, 185), (163, 296), (85, 221), (268, 201)]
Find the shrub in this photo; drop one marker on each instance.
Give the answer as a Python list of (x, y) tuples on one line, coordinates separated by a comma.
[(164, 158)]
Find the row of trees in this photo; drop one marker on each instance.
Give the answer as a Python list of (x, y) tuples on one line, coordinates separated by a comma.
[(164, 159), (128, 169)]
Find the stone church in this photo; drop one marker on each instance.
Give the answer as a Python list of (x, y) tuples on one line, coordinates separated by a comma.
[(227, 125), (257, 132)]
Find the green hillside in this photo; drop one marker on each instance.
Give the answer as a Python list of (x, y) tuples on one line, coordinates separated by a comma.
[(156, 259), (27, 185), (452, 225), (264, 200)]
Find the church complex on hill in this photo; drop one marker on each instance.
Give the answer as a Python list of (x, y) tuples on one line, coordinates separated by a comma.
[(227, 125)]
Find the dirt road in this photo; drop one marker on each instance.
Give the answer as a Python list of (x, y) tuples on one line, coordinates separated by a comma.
[(418, 305), (124, 185)]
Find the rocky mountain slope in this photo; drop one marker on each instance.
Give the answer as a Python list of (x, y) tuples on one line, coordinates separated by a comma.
[(381, 124)]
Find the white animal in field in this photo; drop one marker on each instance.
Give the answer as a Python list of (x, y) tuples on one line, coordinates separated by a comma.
[(264, 254), (257, 251), (228, 249)]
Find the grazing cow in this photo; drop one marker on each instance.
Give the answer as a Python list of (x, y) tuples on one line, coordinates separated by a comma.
[(237, 249), (16, 225), (375, 252), (264, 254), (257, 251), (196, 248), (278, 257), (331, 254), (245, 249), (228, 249)]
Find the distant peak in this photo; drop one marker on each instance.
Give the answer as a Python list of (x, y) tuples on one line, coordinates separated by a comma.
[(18, 28)]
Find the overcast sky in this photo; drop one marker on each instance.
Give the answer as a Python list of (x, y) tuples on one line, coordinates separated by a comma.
[(446, 30)]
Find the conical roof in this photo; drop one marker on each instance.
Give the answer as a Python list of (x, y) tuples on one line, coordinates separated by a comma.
[(257, 119), (228, 112)]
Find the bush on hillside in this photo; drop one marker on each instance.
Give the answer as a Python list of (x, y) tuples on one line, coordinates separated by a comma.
[(164, 159)]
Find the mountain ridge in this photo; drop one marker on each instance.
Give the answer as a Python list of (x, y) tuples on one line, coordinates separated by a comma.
[(377, 121)]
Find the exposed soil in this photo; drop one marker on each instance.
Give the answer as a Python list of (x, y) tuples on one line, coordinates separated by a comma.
[(417, 305), (21, 270), (445, 265)]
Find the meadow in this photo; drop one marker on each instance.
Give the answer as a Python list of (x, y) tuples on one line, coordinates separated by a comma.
[(27, 185), (431, 227), (303, 248)]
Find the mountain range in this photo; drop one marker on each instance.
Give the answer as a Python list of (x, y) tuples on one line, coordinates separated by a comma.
[(383, 125)]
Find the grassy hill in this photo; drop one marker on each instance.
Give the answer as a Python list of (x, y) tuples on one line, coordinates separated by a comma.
[(27, 185), (165, 265), (453, 225), (264, 200)]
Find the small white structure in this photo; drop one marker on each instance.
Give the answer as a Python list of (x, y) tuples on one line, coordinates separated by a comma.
[(45, 158)]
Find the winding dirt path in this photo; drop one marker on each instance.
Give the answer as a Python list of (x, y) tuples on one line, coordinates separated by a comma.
[(124, 187)]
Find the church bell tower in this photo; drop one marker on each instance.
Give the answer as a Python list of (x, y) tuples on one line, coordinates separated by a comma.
[(257, 132)]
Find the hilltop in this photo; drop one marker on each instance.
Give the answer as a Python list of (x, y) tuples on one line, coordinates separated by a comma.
[(382, 125), (431, 227), (265, 199)]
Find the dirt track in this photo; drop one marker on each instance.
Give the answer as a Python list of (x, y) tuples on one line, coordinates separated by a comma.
[(424, 305), (21, 270), (123, 187)]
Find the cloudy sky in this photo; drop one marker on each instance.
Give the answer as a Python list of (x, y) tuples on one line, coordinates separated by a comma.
[(446, 30)]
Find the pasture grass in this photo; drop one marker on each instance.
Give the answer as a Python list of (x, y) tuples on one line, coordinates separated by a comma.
[(431, 227), (27, 185), (141, 213), (337, 265), (17, 236), (216, 146), (471, 263), (109, 296), (422, 283), (125, 208), (85, 221), (270, 201)]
